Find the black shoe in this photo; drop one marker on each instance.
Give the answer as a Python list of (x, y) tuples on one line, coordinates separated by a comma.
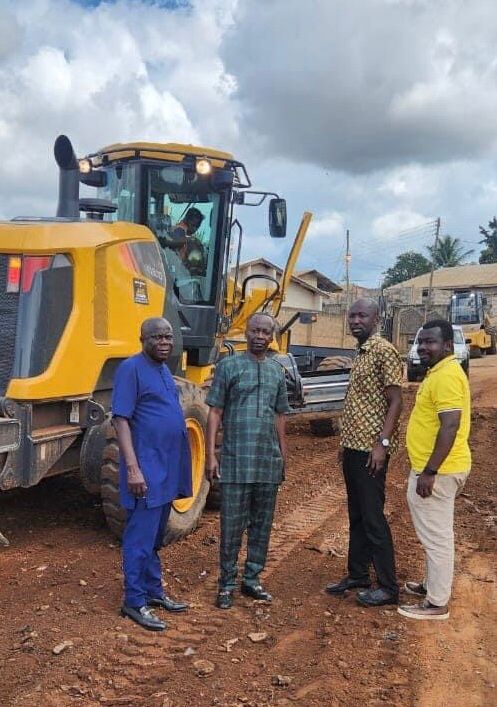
[(143, 616), (224, 600), (345, 584), (168, 604), (257, 592), (377, 597)]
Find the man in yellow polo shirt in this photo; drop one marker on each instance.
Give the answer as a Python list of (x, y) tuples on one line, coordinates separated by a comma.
[(437, 443)]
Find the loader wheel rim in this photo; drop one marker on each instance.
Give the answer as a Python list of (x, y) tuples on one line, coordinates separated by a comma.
[(197, 451)]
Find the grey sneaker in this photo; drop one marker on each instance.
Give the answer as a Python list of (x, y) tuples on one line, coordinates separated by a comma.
[(424, 611), (416, 588)]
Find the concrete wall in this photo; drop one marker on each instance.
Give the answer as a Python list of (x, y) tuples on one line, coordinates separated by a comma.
[(297, 296), (417, 295), (326, 331)]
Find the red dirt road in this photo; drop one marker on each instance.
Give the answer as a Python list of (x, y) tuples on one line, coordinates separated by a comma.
[(61, 582)]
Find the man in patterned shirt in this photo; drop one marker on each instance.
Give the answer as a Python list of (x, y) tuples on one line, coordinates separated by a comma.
[(369, 435), (248, 396)]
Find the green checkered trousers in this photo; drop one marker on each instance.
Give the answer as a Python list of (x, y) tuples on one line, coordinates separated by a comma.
[(247, 507)]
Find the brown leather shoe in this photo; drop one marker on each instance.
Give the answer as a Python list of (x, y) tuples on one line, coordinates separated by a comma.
[(424, 611)]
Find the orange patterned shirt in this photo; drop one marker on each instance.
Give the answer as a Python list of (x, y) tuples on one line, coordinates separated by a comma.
[(376, 366)]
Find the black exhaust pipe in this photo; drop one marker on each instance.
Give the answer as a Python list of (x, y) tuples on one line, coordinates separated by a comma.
[(68, 204)]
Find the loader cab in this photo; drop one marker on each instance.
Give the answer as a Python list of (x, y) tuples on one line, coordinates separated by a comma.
[(186, 205), (467, 308), (186, 196)]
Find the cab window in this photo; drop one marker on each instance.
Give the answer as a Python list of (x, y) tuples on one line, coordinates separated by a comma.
[(184, 220)]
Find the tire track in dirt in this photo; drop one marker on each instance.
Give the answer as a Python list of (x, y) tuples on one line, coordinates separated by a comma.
[(137, 666)]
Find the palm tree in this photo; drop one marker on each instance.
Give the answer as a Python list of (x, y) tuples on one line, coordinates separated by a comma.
[(449, 252)]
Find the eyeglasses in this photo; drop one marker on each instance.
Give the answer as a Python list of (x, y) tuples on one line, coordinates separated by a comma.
[(160, 337)]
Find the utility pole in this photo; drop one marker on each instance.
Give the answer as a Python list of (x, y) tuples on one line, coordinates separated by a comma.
[(433, 254), (348, 258)]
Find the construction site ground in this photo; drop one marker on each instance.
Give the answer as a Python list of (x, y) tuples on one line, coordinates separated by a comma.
[(63, 642)]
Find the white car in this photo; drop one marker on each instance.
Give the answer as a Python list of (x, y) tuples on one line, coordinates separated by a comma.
[(415, 370)]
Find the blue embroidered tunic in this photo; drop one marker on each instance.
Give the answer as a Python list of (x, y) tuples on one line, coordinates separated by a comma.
[(146, 395)]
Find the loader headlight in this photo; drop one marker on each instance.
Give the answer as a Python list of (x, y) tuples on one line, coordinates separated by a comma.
[(203, 166), (84, 166)]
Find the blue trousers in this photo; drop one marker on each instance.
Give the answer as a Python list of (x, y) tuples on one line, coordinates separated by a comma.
[(142, 539)]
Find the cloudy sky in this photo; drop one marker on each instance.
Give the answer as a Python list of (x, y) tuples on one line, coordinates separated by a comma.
[(377, 115)]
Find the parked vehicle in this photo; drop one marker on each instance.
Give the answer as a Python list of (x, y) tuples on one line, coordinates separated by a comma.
[(470, 310), (416, 371)]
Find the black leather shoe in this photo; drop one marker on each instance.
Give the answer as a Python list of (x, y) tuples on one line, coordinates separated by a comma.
[(168, 604), (345, 584), (377, 597), (144, 617), (224, 600), (257, 592)]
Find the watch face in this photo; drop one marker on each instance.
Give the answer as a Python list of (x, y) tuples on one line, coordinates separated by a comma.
[(385, 442)]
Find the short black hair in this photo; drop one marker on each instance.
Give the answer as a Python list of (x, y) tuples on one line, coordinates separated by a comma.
[(194, 213), (444, 326)]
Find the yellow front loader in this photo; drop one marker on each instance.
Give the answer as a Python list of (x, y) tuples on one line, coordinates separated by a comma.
[(75, 288)]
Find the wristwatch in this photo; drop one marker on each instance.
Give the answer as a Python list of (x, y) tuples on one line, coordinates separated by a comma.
[(430, 472), (385, 442)]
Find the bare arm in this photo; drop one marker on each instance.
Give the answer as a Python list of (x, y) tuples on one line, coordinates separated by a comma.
[(212, 463), (378, 455), (136, 480), (449, 424)]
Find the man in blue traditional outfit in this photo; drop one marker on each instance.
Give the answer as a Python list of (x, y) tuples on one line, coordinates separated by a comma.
[(155, 468)]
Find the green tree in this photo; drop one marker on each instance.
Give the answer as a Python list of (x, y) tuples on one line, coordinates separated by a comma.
[(489, 253), (407, 265), (448, 253)]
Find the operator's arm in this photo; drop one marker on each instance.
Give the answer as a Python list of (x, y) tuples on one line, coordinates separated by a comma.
[(449, 424), (213, 422), (136, 480)]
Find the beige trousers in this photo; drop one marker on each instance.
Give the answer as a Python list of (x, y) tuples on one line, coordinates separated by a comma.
[(433, 520)]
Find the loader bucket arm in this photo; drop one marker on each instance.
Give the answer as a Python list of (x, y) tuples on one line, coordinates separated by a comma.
[(291, 263)]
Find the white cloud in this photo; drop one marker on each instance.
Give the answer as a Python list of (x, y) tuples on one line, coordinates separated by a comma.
[(128, 70), (328, 225), (389, 226), (358, 86), (411, 182), (376, 116)]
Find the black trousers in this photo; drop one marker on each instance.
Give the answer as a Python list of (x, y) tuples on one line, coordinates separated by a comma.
[(370, 539)]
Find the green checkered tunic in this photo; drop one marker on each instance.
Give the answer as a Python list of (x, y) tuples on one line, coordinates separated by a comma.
[(250, 393)]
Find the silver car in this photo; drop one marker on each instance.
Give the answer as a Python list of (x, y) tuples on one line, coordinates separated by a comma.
[(416, 371)]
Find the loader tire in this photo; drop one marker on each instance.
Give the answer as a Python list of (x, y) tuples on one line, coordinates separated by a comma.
[(115, 515), (214, 495), (493, 345), (185, 513), (335, 363)]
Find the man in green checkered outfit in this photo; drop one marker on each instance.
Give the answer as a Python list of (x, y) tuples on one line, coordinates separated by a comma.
[(248, 397)]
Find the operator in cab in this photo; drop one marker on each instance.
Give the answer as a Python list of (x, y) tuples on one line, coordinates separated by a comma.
[(183, 231)]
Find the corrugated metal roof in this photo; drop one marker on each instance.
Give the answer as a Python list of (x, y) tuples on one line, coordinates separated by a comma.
[(455, 278)]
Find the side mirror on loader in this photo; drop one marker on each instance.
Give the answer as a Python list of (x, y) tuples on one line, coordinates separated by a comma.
[(277, 218)]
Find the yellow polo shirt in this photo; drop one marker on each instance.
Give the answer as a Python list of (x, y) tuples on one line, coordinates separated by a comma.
[(445, 388)]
